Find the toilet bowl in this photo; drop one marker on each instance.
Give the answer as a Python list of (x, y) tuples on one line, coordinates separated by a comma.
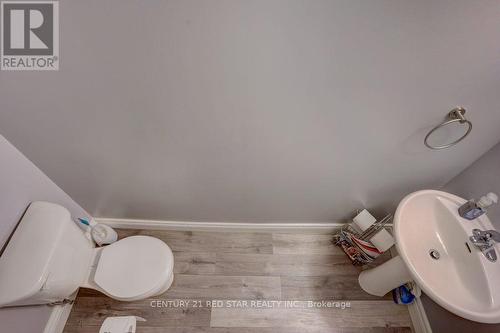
[(49, 257)]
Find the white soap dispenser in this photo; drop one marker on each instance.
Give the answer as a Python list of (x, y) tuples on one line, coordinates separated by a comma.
[(487, 200)]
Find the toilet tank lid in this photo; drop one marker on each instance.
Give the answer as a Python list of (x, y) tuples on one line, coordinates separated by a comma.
[(25, 263)]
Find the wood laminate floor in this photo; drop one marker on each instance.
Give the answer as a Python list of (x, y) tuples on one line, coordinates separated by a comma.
[(240, 282)]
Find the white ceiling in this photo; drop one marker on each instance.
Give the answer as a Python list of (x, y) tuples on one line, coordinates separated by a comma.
[(255, 110)]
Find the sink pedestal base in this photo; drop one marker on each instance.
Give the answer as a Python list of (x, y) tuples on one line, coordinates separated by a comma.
[(382, 279)]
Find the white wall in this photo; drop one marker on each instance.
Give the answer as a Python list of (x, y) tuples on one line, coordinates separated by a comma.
[(21, 182), (255, 110)]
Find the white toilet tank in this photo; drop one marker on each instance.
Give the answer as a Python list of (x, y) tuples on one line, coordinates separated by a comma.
[(47, 258)]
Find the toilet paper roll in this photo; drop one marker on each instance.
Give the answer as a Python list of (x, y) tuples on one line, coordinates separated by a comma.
[(364, 220), (103, 234), (382, 240)]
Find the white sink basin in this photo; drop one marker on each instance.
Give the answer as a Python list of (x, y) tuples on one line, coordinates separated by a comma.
[(462, 280)]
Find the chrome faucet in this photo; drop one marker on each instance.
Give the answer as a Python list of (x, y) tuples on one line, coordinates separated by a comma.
[(485, 241)]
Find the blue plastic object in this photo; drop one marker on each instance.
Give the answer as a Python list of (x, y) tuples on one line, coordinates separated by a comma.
[(402, 295), (83, 221)]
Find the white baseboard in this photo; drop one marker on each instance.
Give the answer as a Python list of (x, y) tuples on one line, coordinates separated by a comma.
[(304, 227), (58, 318), (418, 317)]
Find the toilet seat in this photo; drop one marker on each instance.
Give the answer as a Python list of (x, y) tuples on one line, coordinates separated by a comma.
[(135, 267)]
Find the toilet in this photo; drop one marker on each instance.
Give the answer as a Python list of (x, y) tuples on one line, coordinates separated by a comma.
[(49, 257)]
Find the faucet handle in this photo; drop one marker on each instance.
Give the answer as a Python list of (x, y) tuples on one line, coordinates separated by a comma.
[(493, 234), (484, 241), (477, 232), (480, 238)]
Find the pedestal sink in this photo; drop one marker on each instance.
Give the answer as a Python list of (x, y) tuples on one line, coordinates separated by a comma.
[(432, 241)]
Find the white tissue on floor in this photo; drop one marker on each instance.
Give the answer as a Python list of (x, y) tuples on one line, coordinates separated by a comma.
[(125, 324)]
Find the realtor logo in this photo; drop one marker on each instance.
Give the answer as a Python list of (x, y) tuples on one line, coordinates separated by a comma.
[(29, 35)]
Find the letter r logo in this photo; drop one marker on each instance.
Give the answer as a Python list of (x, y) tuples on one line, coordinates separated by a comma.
[(27, 28), (18, 27)]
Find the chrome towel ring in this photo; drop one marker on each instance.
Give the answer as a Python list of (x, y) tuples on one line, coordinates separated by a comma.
[(455, 115)]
